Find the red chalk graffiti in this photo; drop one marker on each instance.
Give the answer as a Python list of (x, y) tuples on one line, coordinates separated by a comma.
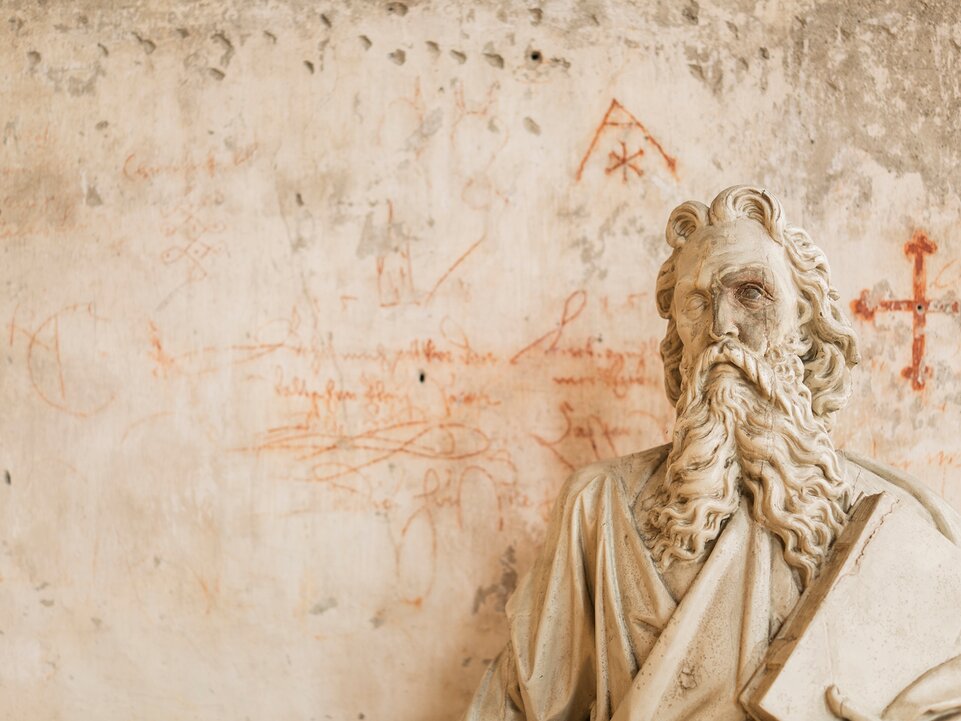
[(620, 124), (193, 250), (919, 306), (395, 268), (573, 306), (65, 366), (624, 162)]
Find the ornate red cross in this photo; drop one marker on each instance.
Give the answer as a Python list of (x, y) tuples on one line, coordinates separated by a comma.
[(919, 306)]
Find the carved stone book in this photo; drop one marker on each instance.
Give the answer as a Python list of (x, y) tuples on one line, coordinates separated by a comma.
[(885, 609)]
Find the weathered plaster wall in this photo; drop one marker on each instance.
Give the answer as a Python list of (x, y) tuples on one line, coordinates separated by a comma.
[(309, 308)]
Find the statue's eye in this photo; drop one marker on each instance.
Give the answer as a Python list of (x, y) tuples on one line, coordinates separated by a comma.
[(751, 293), (695, 304)]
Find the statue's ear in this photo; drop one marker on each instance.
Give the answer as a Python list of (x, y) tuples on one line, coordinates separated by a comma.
[(686, 218)]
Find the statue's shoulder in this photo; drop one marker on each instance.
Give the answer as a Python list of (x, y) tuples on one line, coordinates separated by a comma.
[(871, 476), (628, 473)]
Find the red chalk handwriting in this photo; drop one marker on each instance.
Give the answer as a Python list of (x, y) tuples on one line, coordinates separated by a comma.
[(919, 306), (615, 376), (628, 136), (454, 334), (138, 168), (364, 421), (573, 307), (591, 428)]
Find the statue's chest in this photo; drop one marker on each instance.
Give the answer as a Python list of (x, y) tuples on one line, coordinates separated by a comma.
[(715, 640)]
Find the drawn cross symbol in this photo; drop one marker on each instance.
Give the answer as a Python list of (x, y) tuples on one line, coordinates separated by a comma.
[(919, 306), (623, 161)]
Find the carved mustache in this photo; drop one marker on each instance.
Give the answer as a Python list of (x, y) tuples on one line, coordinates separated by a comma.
[(753, 367)]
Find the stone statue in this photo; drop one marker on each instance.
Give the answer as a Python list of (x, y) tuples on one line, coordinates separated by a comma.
[(667, 576)]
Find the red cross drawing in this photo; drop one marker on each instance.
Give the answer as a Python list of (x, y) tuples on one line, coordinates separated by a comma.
[(623, 162), (919, 306)]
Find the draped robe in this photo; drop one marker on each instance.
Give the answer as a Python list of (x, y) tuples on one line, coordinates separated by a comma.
[(597, 631)]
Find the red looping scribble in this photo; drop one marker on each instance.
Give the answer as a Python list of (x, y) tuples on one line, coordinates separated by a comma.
[(353, 453), (573, 306)]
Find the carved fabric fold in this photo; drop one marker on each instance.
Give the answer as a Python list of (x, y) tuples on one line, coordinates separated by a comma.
[(593, 572), (585, 620)]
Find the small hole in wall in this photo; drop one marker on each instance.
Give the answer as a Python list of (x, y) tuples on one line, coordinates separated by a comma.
[(422, 377), (494, 59), (920, 308), (536, 56)]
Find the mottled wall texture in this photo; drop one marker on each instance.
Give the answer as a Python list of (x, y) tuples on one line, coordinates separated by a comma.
[(309, 308)]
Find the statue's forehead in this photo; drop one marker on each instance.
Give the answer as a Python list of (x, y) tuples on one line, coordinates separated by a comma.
[(726, 246)]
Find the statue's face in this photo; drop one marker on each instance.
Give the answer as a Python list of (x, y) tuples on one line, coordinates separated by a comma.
[(734, 280)]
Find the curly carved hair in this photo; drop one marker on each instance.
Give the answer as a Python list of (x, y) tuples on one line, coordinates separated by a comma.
[(828, 346)]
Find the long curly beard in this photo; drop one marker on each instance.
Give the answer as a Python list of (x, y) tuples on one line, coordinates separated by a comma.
[(745, 424)]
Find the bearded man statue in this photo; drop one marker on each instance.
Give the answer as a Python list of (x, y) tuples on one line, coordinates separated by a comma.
[(666, 574)]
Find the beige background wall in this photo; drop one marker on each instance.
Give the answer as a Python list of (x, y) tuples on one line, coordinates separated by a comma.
[(309, 308)]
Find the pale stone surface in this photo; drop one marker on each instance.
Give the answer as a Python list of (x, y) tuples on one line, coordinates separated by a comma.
[(383, 221)]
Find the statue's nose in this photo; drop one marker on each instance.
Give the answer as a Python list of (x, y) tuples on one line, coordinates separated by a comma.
[(723, 323)]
